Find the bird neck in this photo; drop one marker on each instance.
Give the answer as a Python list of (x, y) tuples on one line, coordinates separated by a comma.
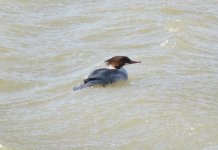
[(111, 67)]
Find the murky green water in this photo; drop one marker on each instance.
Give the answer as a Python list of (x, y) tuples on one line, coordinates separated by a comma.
[(169, 102)]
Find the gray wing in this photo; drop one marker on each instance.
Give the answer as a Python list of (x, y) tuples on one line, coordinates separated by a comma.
[(106, 76), (102, 77)]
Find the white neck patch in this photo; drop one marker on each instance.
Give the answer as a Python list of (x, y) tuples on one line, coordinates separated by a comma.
[(111, 67)]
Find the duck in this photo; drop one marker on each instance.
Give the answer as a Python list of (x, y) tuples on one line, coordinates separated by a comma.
[(114, 72)]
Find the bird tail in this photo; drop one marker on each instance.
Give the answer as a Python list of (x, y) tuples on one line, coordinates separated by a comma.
[(79, 87), (88, 83)]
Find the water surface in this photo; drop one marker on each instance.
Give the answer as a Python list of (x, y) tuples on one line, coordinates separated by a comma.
[(169, 102)]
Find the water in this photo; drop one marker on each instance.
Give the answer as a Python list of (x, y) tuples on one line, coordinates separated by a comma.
[(169, 102)]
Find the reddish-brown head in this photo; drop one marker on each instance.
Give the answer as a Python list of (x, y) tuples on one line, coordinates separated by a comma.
[(119, 61)]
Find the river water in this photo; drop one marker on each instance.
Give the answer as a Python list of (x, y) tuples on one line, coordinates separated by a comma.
[(169, 102)]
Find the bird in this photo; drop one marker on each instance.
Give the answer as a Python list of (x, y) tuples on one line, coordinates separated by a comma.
[(104, 76)]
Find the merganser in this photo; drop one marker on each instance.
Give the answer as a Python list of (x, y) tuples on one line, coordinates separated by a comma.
[(104, 76)]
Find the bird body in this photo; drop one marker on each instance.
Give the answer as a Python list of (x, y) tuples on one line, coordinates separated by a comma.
[(105, 76)]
